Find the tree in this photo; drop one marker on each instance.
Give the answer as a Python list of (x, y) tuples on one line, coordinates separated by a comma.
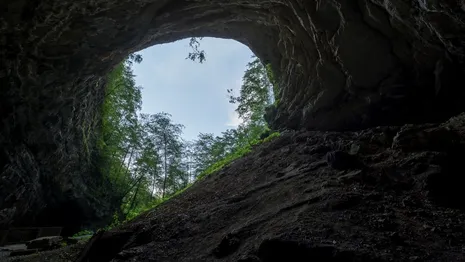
[(204, 152), (166, 136), (148, 164), (256, 93), (188, 163), (212, 152), (119, 133)]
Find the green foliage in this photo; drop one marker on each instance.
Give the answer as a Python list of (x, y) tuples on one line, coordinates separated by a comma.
[(144, 156), (271, 137), (196, 54), (161, 131), (238, 153), (142, 209), (83, 233), (225, 161), (140, 154), (114, 223), (214, 153), (256, 93), (274, 83), (118, 137)]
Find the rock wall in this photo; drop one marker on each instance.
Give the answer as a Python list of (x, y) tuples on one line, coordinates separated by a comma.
[(341, 65), (356, 64)]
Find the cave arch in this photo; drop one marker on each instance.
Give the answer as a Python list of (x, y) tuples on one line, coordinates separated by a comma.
[(341, 65)]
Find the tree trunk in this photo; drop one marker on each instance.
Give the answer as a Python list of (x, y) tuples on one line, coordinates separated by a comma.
[(188, 171), (130, 159), (153, 186), (121, 166), (132, 186), (166, 173), (134, 198)]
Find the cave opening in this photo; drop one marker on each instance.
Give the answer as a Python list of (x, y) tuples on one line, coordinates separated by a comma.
[(339, 65), (168, 121), (194, 93)]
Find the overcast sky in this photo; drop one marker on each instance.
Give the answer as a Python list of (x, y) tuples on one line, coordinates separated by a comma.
[(193, 93)]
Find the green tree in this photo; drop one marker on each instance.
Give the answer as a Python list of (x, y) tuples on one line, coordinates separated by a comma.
[(205, 152), (188, 163), (256, 93), (166, 136), (120, 130)]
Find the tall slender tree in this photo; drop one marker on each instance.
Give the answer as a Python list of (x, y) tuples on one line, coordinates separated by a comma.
[(166, 136), (256, 93)]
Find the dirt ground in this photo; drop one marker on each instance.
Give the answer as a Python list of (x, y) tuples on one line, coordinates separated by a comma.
[(382, 194)]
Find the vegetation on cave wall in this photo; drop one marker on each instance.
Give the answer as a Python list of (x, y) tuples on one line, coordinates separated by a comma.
[(144, 156)]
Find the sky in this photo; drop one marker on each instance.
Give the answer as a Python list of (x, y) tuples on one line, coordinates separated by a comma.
[(194, 94)]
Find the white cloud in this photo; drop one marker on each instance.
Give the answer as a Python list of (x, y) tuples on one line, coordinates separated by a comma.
[(238, 84), (233, 117), (234, 120)]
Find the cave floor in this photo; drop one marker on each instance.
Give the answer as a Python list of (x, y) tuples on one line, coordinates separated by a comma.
[(380, 194)]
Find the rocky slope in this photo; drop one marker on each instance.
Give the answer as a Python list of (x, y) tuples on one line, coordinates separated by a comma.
[(341, 65), (380, 194)]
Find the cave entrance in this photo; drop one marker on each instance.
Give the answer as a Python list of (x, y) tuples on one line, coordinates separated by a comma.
[(169, 121), (194, 93), (340, 65)]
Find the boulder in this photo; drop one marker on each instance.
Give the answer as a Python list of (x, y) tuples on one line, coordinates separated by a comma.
[(45, 243)]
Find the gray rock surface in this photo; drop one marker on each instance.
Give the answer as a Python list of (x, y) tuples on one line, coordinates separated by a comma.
[(45, 243), (283, 202)]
